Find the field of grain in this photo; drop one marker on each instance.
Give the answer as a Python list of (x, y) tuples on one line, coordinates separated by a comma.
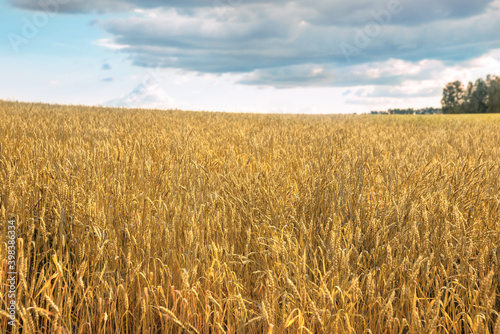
[(135, 221)]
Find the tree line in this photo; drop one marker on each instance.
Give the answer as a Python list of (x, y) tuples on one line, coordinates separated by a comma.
[(482, 96), (409, 111)]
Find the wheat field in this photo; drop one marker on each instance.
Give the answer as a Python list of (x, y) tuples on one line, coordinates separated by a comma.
[(141, 221)]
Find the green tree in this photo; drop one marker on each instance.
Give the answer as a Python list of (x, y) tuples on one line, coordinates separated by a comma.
[(493, 102), (453, 98), (479, 97)]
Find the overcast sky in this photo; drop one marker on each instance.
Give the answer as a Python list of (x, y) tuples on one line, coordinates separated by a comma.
[(303, 56)]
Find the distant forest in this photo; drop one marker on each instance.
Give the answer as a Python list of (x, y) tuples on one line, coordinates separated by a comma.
[(409, 111), (482, 96)]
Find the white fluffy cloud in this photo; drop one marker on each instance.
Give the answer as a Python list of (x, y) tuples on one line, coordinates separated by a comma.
[(425, 89), (148, 95)]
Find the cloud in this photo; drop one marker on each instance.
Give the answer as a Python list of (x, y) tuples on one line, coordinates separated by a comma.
[(389, 72), (298, 43), (425, 80), (107, 6), (414, 89), (400, 12), (106, 67), (73, 6), (147, 95), (290, 76), (267, 38), (323, 11), (109, 79), (108, 43)]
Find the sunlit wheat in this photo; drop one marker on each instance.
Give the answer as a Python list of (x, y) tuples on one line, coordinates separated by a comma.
[(135, 221)]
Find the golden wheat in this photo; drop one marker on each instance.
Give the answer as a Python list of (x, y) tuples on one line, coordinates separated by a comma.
[(140, 221)]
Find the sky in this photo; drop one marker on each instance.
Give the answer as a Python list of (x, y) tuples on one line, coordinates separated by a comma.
[(302, 56)]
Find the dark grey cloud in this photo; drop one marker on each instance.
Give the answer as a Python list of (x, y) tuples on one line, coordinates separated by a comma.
[(398, 12), (91, 6), (107, 6), (72, 6), (320, 11), (285, 49), (294, 43)]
